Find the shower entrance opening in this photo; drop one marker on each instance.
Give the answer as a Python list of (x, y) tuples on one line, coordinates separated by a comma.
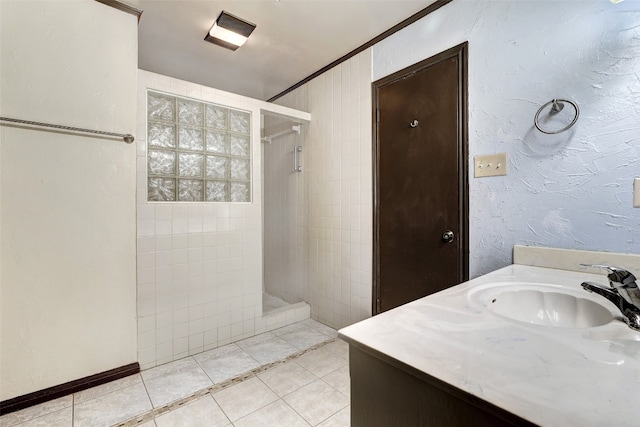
[(285, 213)]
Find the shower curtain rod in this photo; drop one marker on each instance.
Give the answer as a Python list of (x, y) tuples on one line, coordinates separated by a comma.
[(125, 137), (294, 128)]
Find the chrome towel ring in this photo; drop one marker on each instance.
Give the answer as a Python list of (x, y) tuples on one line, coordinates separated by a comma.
[(556, 106)]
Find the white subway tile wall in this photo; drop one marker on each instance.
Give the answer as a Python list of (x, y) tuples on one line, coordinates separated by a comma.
[(199, 264), (338, 169)]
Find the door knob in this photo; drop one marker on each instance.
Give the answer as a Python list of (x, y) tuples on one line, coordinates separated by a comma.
[(448, 236)]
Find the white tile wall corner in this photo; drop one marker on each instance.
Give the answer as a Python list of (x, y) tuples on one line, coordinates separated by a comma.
[(286, 214), (199, 264), (340, 190)]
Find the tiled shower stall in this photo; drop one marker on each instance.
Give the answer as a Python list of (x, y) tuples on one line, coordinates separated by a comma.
[(286, 211), (199, 259), (200, 265)]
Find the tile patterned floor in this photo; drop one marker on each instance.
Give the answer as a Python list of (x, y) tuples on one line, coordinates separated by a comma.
[(286, 377)]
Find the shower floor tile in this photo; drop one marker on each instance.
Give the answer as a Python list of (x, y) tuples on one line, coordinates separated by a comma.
[(202, 412), (287, 378), (175, 380), (112, 408), (277, 413), (267, 348), (244, 398), (306, 390), (317, 401), (270, 302), (305, 338), (37, 411), (225, 362), (59, 418), (107, 388), (340, 419), (321, 362)]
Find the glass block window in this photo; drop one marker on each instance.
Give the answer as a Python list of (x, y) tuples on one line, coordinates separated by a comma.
[(197, 151)]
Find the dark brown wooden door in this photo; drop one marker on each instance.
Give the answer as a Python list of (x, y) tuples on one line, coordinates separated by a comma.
[(420, 212)]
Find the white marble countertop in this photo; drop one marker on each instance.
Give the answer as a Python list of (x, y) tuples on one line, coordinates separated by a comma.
[(547, 375)]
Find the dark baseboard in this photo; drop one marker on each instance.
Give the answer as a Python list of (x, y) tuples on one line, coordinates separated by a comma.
[(37, 397)]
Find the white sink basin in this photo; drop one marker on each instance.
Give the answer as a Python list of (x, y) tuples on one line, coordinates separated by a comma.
[(539, 304)]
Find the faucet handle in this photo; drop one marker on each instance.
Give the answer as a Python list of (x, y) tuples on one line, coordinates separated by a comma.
[(616, 274)]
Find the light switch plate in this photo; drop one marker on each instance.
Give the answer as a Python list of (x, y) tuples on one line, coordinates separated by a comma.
[(490, 165), (636, 193)]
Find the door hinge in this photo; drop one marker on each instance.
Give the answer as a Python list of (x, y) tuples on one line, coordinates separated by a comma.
[(377, 305), (377, 115)]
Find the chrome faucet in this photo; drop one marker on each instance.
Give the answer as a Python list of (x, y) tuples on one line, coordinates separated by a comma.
[(623, 291)]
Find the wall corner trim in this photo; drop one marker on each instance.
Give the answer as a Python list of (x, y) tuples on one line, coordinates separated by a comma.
[(55, 392), (410, 20), (123, 7)]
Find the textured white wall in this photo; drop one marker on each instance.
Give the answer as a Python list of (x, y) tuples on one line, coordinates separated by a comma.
[(573, 190), (338, 172), (68, 201)]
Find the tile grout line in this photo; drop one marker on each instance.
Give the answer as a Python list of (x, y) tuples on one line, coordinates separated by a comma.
[(323, 380), (287, 403), (146, 389), (282, 398), (222, 409), (205, 372), (150, 415)]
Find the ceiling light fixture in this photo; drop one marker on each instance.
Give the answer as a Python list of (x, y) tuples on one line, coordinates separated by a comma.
[(229, 31)]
